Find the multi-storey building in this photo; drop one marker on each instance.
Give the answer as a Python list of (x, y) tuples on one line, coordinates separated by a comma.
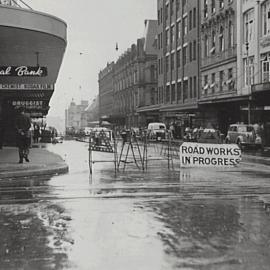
[(219, 100), (178, 60), (74, 115), (106, 92), (135, 79), (253, 37)]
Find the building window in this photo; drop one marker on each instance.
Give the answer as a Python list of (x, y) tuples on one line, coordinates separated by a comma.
[(153, 96), (265, 71), (213, 82), (172, 6), (158, 17), (221, 39), (172, 61), (161, 40), (249, 25), (194, 50), (190, 20), (205, 8), (167, 94), (167, 63), (185, 30), (167, 12), (195, 87), (205, 85), (190, 52), (178, 29), (213, 41), (185, 90), (161, 65), (221, 4), (249, 71), (230, 81), (179, 91), (213, 6), (206, 49), (177, 5), (221, 80), (172, 34), (230, 41), (184, 4), (190, 87), (266, 18), (194, 18), (184, 55), (161, 15), (173, 94), (178, 58), (167, 35)]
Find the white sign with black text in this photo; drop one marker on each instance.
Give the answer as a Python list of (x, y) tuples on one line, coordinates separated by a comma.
[(209, 155)]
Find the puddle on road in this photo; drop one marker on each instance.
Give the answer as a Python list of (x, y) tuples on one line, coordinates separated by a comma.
[(136, 234)]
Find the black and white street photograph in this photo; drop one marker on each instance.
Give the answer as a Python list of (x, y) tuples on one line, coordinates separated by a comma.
[(135, 135)]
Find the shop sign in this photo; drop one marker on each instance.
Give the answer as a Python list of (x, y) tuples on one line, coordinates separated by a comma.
[(209, 155), (23, 71), (31, 86), (29, 104)]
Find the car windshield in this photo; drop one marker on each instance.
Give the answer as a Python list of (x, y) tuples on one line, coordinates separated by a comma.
[(245, 129)]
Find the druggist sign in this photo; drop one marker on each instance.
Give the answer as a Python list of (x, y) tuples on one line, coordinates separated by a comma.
[(209, 155)]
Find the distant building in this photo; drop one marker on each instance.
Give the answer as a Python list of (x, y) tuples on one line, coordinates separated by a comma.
[(129, 86), (135, 79), (105, 79), (73, 115)]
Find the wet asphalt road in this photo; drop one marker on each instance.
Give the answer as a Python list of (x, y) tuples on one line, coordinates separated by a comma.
[(160, 219)]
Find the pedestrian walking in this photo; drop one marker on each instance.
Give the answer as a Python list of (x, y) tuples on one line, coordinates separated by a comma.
[(36, 134), (22, 125)]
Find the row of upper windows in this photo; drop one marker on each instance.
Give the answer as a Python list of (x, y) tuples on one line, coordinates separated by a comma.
[(170, 10), (249, 22), (212, 6), (174, 33), (217, 40), (172, 61)]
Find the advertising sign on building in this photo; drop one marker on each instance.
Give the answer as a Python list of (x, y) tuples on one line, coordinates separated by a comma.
[(29, 104), (23, 71), (29, 86), (209, 155)]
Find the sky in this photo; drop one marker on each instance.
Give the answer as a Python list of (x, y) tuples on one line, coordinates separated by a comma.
[(93, 29)]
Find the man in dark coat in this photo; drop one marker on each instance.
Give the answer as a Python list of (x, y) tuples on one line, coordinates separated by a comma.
[(23, 124)]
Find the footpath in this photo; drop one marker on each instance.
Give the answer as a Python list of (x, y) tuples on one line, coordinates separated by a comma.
[(42, 162)]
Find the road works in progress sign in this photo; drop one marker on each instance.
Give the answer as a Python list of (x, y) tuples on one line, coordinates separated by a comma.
[(209, 155)]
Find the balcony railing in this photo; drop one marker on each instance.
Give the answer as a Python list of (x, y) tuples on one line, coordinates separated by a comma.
[(15, 3), (219, 56)]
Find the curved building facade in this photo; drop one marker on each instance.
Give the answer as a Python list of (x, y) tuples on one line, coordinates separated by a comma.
[(32, 46)]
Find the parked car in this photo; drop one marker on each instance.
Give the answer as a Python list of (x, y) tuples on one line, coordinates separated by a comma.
[(156, 131), (243, 135), (210, 135), (58, 139)]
